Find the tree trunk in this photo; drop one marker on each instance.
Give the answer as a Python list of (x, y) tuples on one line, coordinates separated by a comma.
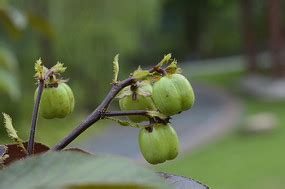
[(276, 38), (249, 35)]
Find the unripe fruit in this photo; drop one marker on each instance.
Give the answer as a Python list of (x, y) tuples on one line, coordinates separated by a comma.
[(158, 143), (173, 94), (56, 102), (140, 102)]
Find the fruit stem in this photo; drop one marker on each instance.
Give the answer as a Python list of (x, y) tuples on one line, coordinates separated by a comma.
[(95, 115), (35, 118), (35, 114), (158, 70)]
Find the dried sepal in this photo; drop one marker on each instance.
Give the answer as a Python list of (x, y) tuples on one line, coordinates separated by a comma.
[(124, 92), (58, 68), (40, 69), (157, 114), (125, 123), (142, 89), (11, 131), (164, 61), (140, 74), (173, 68), (116, 68)]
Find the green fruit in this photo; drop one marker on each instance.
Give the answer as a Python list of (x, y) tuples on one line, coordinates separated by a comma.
[(56, 102), (173, 94), (141, 102), (158, 143)]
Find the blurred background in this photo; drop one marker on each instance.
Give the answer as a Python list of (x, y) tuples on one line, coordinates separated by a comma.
[(232, 51)]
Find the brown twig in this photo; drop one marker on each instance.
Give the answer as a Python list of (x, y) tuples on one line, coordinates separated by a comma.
[(35, 114), (100, 111), (125, 113), (95, 115)]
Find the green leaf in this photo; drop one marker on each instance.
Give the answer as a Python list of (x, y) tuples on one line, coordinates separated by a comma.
[(11, 131), (74, 170), (116, 68)]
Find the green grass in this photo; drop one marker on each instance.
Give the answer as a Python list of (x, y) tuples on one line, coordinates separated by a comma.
[(239, 161)]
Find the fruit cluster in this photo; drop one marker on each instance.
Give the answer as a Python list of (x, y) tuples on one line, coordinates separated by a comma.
[(167, 92), (158, 93)]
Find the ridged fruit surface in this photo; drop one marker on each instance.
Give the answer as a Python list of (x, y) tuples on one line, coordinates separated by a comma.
[(173, 94), (56, 102), (139, 103), (159, 143)]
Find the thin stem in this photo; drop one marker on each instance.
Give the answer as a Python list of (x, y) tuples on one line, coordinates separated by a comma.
[(158, 70), (95, 115), (31, 142), (125, 113), (35, 118)]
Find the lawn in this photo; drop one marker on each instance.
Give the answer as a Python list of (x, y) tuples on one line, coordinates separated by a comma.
[(238, 161)]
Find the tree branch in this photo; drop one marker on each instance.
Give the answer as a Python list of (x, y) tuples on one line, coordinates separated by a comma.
[(35, 114), (125, 113), (95, 115), (35, 118)]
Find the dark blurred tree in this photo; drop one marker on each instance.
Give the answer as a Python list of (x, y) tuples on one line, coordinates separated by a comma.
[(276, 39), (249, 34)]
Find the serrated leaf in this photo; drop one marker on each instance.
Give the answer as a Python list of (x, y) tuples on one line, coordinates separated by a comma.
[(69, 169), (15, 152), (116, 68), (165, 60), (11, 131)]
